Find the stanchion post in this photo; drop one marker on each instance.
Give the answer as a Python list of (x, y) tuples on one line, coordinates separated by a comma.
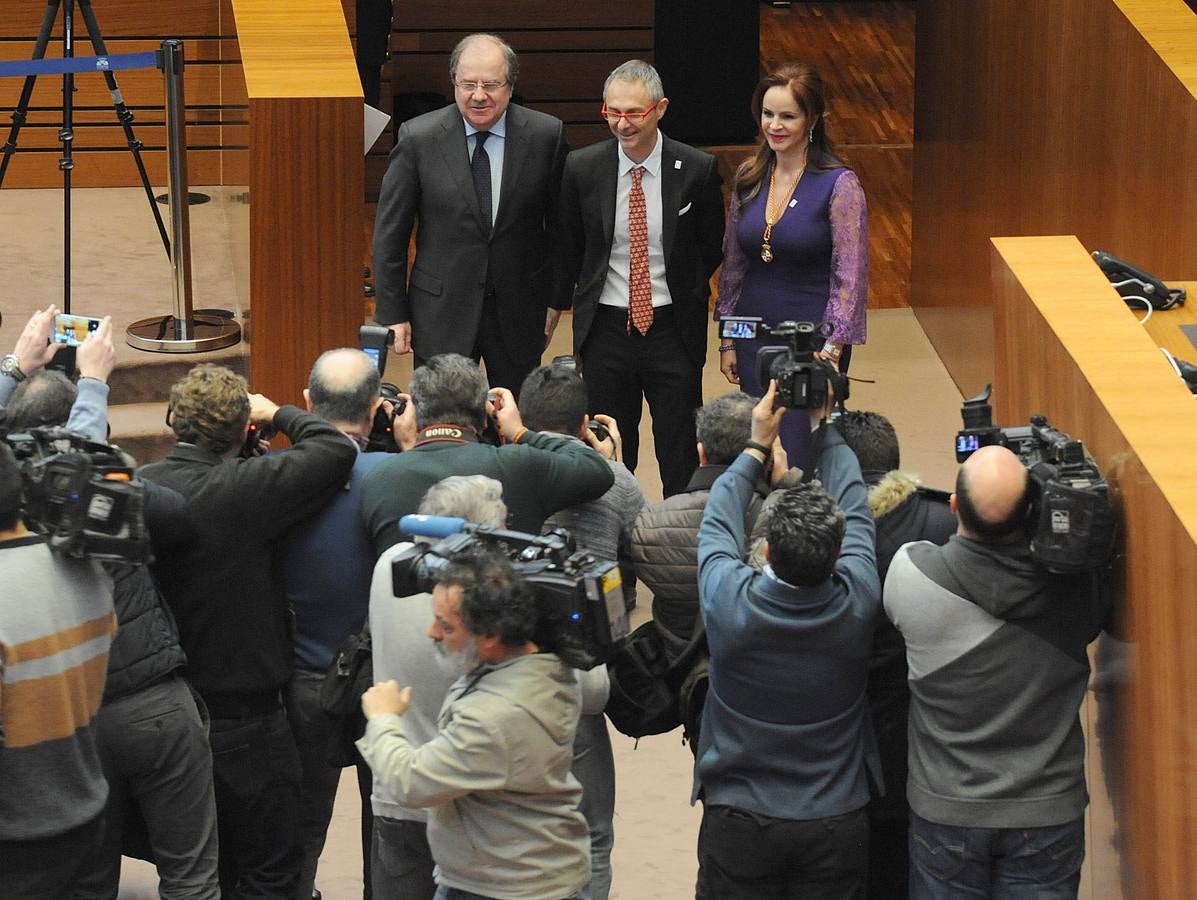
[(183, 332), (180, 215)]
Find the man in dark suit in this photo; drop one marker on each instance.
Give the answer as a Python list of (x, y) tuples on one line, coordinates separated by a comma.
[(482, 178), (642, 220)]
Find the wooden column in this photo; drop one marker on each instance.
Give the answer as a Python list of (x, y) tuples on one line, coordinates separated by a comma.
[(305, 175)]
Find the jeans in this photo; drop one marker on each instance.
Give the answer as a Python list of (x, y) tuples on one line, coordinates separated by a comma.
[(154, 748), (313, 730), (594, 767), (950, 861), (743, 854), (256, 772), (401, 861), (448, 893)]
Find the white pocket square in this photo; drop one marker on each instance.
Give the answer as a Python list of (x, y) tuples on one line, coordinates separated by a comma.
[(685, 209)]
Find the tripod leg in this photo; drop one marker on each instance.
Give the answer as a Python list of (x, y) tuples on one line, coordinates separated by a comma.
[(20, 113), (124, 115)]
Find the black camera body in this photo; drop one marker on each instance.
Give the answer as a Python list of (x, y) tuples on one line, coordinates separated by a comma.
[(381, 438), (803, 382), (81, 495), (579, 597), (1073, 521)]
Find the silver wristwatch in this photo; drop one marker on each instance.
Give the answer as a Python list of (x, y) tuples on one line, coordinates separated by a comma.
[(11, 366)]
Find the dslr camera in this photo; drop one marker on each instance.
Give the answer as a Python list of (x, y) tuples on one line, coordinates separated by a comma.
[(1073, 522), (579, 597), (81, 496), (802, 380)]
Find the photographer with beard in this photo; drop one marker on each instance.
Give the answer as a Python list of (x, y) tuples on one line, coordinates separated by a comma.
[(400, 861), (503, 816)]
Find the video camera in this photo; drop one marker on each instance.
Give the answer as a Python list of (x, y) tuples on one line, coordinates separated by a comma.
[(802, 380), (80, 495), (579, 597), (1073, 519)]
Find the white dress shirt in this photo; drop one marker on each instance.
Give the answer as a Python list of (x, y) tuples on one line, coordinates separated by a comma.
[(615, 289), (494, 149)]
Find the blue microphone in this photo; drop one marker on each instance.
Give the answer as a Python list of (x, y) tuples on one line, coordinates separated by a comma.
[(431, 526)]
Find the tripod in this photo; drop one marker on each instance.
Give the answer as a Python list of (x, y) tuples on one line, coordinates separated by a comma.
[(67, 134)]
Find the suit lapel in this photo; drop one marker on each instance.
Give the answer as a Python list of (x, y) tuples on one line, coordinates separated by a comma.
[(515, 151), (457, 160), (672, 174), (608, 185)]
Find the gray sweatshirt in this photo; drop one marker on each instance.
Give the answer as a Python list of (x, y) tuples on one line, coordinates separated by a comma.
[(998, 670)]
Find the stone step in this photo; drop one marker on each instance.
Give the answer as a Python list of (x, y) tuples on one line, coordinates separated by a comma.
[(140, 430), (147, 377)]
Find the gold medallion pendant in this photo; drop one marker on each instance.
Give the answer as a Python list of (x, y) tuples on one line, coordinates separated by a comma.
[(774, 210)]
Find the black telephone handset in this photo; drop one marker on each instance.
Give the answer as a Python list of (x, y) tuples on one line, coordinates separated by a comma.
[(1138, 283)]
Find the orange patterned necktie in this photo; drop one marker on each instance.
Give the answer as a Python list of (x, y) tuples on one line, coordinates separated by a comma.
[(640, 287)]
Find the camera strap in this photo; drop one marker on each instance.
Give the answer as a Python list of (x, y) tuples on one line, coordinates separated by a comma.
[(814, 451)]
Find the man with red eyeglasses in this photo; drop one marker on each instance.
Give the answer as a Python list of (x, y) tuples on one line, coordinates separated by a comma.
[(642, 221)]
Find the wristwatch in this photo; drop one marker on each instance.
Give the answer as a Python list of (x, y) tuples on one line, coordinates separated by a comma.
[(10, 365)]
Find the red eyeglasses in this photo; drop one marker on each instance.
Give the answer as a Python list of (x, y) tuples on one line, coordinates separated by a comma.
[(634, 118)]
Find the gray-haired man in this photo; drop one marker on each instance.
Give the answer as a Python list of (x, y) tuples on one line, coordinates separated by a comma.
[(642, 223), (482, 178)]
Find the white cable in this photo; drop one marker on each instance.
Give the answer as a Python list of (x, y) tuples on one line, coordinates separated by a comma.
[(1171, 359), (1144, 301)]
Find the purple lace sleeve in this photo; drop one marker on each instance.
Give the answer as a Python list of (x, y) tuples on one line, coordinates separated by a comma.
[(847, 304), (735, 263)]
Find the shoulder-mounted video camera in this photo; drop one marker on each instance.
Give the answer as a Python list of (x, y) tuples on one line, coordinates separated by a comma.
[(802, 380), (80, 495), (579, 597), (1073, 520)]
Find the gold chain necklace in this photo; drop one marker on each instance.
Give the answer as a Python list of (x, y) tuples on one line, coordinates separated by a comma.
[(773, 214)]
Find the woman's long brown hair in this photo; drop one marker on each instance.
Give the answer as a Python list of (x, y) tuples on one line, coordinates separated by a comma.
[(806, 85)]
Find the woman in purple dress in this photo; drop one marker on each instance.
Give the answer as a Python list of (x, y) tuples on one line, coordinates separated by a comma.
[(796, 246)]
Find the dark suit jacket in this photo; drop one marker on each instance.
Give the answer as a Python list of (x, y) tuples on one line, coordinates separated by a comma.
[(429, 179), (692, 232)]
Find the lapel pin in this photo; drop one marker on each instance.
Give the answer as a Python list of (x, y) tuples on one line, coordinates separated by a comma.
[(677, 163), (793, 203)]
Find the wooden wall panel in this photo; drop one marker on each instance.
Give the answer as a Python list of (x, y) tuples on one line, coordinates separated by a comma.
[(1067, 347), (566, 52), (214, 89), (179, 18), (1046, 118)]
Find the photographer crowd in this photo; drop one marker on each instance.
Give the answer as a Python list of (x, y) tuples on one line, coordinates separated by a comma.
[(879, 683)]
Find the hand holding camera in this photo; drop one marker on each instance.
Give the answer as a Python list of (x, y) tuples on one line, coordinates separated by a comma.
[(505, 413), (261, 409), (603, 435), (96, 357), (403, 425), (34, 348), (766, 418)]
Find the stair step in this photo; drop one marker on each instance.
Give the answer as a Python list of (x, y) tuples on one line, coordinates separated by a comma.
[(148, 377), (140, 430)]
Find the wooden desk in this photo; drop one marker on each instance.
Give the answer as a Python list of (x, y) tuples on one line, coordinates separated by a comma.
[(1164, 327), (1067, 347)]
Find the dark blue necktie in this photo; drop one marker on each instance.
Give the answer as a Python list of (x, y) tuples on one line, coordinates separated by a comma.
[(480, 167)]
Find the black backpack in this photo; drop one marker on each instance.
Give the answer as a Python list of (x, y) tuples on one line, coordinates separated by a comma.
[(654, 690)]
